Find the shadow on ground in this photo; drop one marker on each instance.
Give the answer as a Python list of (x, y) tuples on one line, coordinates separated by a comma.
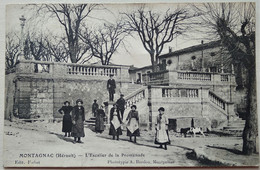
[(127, 140), (235, 151), (60, 136)]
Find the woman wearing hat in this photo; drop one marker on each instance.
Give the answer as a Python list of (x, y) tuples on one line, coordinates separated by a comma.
[(66, 122), (133, 123), (161, 127), (78, 118), (115, 122)]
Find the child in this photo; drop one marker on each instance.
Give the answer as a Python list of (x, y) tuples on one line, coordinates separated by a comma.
[(161, 127), (78, 118), (133, 123)]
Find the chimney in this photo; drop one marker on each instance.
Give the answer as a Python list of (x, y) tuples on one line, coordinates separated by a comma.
[(170, 49)]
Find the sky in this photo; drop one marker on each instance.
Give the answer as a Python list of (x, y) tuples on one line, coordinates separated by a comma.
[(134, 55)]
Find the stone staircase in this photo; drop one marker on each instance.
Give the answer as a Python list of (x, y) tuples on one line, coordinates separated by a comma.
[(131, 88), (235, 126), (90, 122), (131, 91)]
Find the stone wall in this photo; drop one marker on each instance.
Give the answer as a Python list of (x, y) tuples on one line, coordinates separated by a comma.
[(9, 95), (39, 95), (41, 98), (184, 109)]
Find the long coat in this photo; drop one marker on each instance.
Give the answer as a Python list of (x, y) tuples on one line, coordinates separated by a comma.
[(111, 85), (121, 103), (115, 119), (94, 108), (78, 117), (66, 122), (99, 126)]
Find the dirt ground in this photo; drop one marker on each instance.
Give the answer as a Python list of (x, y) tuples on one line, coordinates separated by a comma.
[(42, 144)]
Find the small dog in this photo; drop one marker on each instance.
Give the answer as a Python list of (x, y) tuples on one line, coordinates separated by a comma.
[(195, 130), (184, 131)]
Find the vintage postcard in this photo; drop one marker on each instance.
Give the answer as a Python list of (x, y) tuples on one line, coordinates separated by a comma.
[(130, 85)]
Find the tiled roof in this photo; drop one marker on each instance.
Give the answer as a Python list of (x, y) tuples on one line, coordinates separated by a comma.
[(191, 49)]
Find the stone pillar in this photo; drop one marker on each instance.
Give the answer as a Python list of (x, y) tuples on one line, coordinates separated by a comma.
[(59, 70), (204, 96), (231, 111), (173, 76), (108, 106), (124, 74), (25, 67)]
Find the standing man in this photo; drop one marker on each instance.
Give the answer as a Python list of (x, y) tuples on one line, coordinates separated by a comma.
[(111, 86), (94, 108), (121, 105)]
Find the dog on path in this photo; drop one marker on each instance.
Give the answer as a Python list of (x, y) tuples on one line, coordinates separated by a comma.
[(196, 130), (184, 131)]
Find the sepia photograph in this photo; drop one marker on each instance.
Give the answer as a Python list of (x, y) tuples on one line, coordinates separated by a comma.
[(130, 85)]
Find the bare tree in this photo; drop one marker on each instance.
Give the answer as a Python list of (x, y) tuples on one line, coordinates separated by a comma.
[(234, 24), (12, 50), (57, 49), (156, 29), (104, 42), (71, 16)]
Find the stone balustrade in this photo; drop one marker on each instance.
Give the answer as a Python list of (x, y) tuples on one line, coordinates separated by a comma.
[(73, 70), (194, 76), (180, 92), (217, 100), (190, 77), (135, 97)]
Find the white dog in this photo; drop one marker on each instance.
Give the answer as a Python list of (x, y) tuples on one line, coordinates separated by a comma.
[(195, 130)]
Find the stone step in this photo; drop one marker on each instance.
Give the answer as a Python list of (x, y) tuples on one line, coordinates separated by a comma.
[(237, 124), (233, 128)]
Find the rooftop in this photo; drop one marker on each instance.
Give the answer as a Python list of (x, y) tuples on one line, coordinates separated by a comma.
[(191, 49)]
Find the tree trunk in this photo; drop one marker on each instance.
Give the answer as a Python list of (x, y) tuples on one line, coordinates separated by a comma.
[(250, 132), (154, 60), (72, 53)]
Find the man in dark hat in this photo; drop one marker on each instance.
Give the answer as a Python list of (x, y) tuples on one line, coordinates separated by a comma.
[(121, 105), (111, 86), (94, 108)]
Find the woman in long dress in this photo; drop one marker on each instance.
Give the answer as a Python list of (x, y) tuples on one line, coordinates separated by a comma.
[(115, 122), (100, 115), (78, 118), (133, 123), (66, 121), (161, 127)]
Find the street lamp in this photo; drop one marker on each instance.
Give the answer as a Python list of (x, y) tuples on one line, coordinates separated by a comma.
[(202, 59), (22, 19)]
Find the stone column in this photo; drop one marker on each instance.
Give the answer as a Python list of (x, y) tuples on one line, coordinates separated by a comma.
[(108, 106)]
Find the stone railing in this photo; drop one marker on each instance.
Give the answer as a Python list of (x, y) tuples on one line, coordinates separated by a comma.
[(92, 70), (180, 92), (217, 100), (191, 77), (194, 76), (135, 97), (224, 77), (159, 77), (72, 70)]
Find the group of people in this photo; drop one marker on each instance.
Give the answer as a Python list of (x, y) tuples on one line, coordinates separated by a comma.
[(74, 117), (132, 125), (73, 124), (73, 120)]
